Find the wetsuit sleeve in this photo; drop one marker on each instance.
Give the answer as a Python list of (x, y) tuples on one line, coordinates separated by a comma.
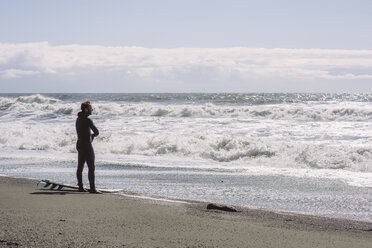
[(93, 127)]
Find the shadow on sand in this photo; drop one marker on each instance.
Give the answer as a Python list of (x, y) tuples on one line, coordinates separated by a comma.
[(59, 192)]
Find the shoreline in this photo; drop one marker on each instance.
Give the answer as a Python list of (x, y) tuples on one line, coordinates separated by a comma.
[(241, 209), (36, 218)]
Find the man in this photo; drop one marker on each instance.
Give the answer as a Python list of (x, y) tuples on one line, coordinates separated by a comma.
[(84, 125)]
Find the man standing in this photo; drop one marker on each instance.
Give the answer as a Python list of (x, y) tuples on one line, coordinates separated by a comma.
[(84, 125)]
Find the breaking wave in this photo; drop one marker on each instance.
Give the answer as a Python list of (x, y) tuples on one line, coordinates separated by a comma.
[(38, 106), (229, 150), (299, 134)]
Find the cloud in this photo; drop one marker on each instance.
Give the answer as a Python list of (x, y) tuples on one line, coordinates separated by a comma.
[(184, 65), (15, 73)]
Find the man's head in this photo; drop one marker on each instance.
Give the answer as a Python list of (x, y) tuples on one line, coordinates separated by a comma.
[(86, 107)]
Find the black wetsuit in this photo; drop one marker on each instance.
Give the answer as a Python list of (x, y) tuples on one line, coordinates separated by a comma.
[(85, 148)]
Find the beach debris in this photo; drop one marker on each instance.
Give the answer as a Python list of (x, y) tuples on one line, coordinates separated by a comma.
[(9, 242), (221, 207)]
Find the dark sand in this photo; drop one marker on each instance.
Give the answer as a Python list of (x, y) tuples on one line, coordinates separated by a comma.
[(35, 218)]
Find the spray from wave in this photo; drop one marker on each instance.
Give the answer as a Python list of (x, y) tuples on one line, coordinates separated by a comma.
[(38, 106), (311, 131)]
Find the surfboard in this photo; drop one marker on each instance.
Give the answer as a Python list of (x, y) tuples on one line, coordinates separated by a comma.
[(46, 184)]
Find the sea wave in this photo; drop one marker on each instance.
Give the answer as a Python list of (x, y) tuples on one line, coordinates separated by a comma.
[(38, 106), (227, 149), (310, 135)]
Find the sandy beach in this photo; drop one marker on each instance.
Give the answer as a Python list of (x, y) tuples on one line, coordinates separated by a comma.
[(35, 218)]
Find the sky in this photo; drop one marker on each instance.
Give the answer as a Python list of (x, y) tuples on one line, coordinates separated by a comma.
[(185, 46)]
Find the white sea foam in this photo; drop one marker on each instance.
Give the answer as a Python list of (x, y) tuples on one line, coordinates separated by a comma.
[(46, 107), (316, 135)]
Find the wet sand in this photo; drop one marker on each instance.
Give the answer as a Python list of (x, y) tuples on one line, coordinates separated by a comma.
[(35, 218)]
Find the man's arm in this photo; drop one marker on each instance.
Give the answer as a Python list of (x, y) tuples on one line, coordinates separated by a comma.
[(94, 129)]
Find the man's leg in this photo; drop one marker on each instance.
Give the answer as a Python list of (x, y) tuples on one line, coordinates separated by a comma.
[(90, 158), (79, 171)]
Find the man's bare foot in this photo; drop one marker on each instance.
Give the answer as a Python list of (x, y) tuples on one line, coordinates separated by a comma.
[(95, 191)]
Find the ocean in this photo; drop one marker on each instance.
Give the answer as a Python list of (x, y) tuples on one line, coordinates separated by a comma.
[(302, 153)]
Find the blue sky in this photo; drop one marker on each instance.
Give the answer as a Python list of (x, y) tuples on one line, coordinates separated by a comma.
[(175, 35)]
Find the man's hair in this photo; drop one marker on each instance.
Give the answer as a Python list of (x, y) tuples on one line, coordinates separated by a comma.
[(85, 105)]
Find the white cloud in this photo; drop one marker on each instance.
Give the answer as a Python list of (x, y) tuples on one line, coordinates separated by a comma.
[(183, 64), (15, 73)]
